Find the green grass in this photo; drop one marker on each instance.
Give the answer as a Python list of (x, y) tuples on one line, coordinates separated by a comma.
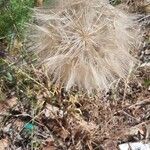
[(13, 15)]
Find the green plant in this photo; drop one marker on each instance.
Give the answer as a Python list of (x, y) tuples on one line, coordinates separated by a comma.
[(115, 2), (147, 82), (13, 15)]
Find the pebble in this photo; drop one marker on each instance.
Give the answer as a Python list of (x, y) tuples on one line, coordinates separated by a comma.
[(135, 146), (147, 51)]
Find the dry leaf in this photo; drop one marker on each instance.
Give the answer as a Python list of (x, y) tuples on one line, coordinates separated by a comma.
[(52, 111), (39, 3), (110, 145), (3, 144), (50, 145), (49, 148), (12, 102)]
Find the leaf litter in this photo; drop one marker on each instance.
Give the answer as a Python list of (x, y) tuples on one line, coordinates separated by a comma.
[(33, 117)]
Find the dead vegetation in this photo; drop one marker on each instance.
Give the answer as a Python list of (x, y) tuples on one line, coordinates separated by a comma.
[(36, 115), (68, 122), (85, 43)]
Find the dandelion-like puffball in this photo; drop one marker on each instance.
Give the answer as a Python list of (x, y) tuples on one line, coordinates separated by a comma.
[(85, 43)]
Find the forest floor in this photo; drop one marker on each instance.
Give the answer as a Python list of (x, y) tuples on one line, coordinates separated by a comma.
[(36, 115)]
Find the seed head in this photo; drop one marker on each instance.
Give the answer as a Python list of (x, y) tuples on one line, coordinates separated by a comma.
[(85, 43)]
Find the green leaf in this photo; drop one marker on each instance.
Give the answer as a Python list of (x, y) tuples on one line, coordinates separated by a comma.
[(9, 77)]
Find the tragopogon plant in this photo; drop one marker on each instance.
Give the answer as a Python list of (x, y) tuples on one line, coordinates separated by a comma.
[(85, 43)]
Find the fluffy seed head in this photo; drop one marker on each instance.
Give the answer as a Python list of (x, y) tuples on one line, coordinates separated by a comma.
[(85, 43)]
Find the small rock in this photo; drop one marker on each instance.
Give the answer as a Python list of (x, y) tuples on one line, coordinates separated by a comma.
[(6, 129), (134, 146), (147, 51)]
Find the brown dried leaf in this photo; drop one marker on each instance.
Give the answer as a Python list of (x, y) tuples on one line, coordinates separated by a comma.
[(50, 145), (49, 148), (110, 145), (52, 111), (39, 3), (3, 144), (147, 131), (147, 8), (12, 102)]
